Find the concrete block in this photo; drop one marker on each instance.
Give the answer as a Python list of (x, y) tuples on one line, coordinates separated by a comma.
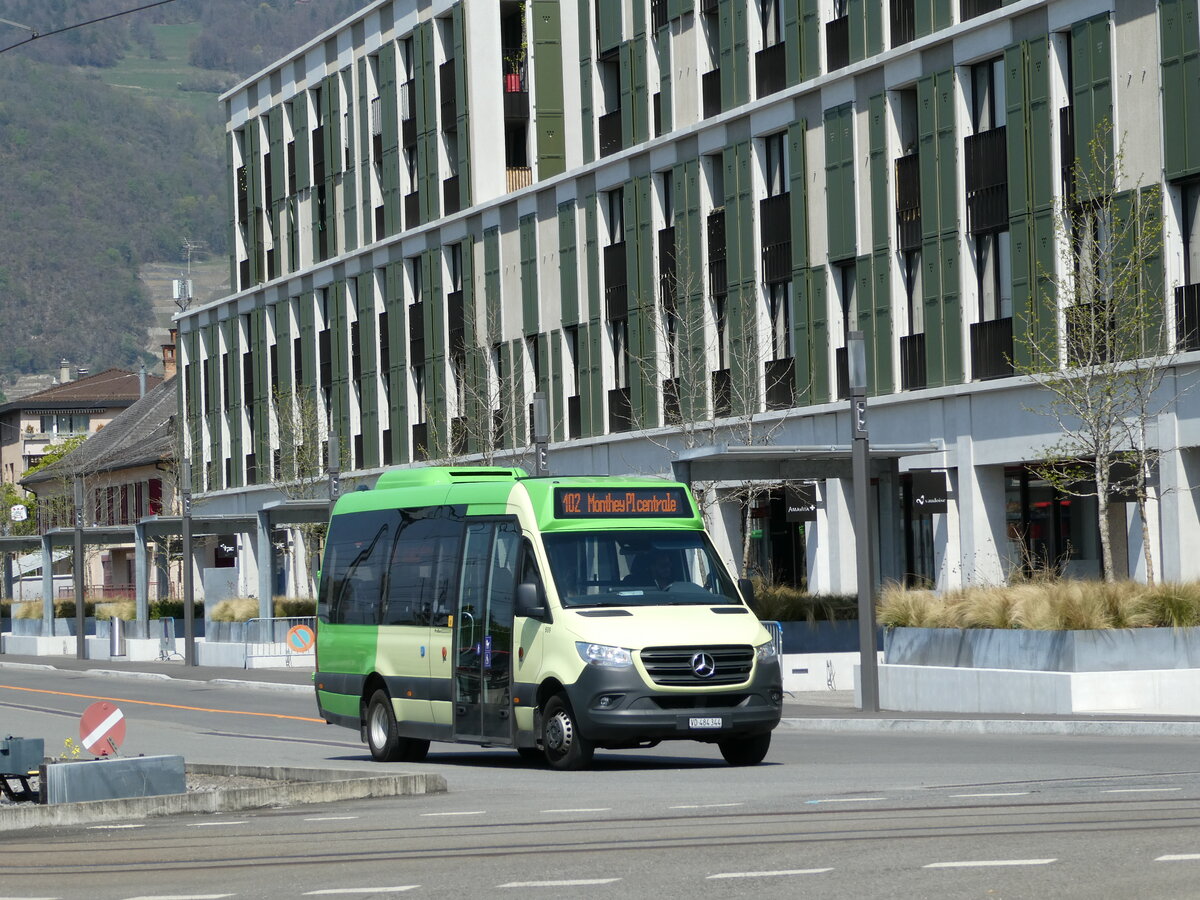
[(114, 779)]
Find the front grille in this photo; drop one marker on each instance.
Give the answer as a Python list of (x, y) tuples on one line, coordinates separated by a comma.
[(672, 666), (701, 701)]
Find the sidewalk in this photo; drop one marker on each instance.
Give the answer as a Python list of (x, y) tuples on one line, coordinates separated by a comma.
[(810, 711)]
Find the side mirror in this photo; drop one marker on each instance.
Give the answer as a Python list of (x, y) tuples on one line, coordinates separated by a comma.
[(529, 604), (746, 586)]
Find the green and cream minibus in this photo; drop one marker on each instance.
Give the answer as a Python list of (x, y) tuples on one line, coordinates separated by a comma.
[(551, 615)]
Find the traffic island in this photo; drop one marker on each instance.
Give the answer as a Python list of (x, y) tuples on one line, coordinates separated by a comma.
[(277, 786)]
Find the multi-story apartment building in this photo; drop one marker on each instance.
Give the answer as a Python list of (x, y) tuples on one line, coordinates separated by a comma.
[(668, 216)]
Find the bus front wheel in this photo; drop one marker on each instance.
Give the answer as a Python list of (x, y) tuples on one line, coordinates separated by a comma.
[(746, 751), (383, 733), (565, 747)]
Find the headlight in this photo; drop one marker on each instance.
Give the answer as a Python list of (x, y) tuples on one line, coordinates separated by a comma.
[(603, 655), (766, 652)]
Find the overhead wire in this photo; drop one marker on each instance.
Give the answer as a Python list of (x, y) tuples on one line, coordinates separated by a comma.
[(37, 35)]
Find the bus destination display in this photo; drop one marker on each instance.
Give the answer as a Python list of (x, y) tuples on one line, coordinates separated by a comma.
[(620, 503)]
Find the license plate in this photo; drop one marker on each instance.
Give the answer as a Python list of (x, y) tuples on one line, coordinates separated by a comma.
[(702, 722)]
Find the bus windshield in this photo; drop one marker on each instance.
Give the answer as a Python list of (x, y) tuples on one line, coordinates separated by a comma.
[(637, 568)]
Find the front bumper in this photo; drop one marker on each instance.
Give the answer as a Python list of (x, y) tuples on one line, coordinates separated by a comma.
[(635, 712)]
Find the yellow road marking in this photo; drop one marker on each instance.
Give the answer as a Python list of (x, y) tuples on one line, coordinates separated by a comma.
[(232, 712)]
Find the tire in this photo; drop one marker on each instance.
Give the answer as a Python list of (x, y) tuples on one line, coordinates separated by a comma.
[(565, 748), (382, 731), (746, 751), (413, 749)]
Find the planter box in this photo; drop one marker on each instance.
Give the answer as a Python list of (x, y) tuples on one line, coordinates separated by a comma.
[(1115, 650), (1153, 671)]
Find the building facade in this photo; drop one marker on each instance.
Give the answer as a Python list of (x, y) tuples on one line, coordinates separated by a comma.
[(668, 216)]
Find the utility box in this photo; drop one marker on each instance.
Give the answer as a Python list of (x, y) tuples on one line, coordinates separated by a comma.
[(20, 756)]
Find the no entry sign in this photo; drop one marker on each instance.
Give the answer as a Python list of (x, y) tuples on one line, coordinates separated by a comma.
[(102, 728)]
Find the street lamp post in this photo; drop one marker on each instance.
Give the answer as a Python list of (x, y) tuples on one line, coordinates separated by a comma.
[(541, 435), (80, 638), (189, 594), (856, 359)]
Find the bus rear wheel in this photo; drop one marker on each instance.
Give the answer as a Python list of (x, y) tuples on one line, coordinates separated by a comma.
[(383, 733), (566, 749), (746, 751)]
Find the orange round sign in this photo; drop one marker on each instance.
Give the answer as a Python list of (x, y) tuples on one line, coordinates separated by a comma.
[(102, 728), (300, 638)]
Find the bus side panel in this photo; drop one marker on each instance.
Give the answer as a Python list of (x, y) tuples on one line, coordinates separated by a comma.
[(441, 673), (345, 652), (402, 658)]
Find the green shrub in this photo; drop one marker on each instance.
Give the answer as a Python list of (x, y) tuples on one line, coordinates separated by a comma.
[(784, 603), (237, 609), (171, 608), (291, 607)]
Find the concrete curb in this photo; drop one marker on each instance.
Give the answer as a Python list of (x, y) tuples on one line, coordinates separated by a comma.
[(1111, 728), (265, 685), (299, 786)]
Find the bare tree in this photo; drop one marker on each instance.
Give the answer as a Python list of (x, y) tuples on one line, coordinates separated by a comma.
[(1102, 376)]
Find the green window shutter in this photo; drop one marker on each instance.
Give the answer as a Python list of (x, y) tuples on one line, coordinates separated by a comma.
[(594, 421), (278, 158), (301, 134), (595, 306), (798, 188), (952, 348), (587, 114), (792, 43), (734, 54), (1179, 40), (1152, 275), (471, 329), (812, 33), (556, 396), (947, 153), (640, 90), (568, 263), (462, 65), (666, 102), (818, 312), (363, 180), (1016, 129), (491, 285), (331, 115), (931, 280), (548, 89), (881, 196), (231, 204), (865, 297), (628, 112), (839, 180), (882, 379), (529, 275), (1091, 62), (608, 26)]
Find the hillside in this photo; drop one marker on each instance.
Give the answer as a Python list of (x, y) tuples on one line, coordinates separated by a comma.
[(112, 155)]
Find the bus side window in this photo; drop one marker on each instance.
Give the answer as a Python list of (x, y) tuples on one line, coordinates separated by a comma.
[(423, 563), (530, 573), (352, 567)]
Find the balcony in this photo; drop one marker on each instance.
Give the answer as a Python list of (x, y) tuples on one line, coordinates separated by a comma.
[(574, 418), (672, 414), (908, 202), (656, 112), (912, 362), (620, 412), (973, 8), (717, 273), (318, 154), (709, 7), (991, 349), (447, 91), (770, 70), (837, 43), (456, 321), (420, 441), (841, 371), (412, 210), (450, 196), (775, 221), (616, 282), (780, 379), (1187, 317), (986, 156), (722, 388), (516, 103), (416, 334), (666, 268), (904, 21), (710, 92), (243, 197), (380, 222), (291, 167), (408, 114), (610, 132), (517, 177)]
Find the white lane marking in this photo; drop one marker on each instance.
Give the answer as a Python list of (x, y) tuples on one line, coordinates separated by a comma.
[(329, 818), (847, 800), (103, 827), (465, 812), (215, 825), (102, 729), (28, 898), (705, 805), (182, 897), (1139, 790), (1178, 857), (996, 794), (978, 863), (574, 882), (373, 890), (780, 873), (580, 809)]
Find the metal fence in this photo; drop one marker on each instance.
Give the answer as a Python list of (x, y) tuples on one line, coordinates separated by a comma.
[(272, 639), (776, 629)]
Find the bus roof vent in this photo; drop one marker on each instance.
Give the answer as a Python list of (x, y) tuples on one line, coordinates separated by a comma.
[(430, 475)]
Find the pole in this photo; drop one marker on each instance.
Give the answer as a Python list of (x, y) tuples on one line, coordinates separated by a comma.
[(189, 596), (80, 637), (335, 469), (541, 435), (861, 481)]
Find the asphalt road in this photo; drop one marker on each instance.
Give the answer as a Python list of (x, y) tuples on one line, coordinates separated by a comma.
[(842, 815)]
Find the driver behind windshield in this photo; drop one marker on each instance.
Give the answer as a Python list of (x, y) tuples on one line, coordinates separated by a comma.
[(650, 569)]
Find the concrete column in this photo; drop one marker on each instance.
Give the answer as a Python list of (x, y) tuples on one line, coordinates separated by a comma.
[(47, 587), (485, 101), (980, 500), (829, 541), (141, 573), (266, 568), (1179, 517), (947, 538)]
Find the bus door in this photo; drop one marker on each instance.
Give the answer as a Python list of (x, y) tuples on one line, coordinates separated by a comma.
[(483, 625)]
